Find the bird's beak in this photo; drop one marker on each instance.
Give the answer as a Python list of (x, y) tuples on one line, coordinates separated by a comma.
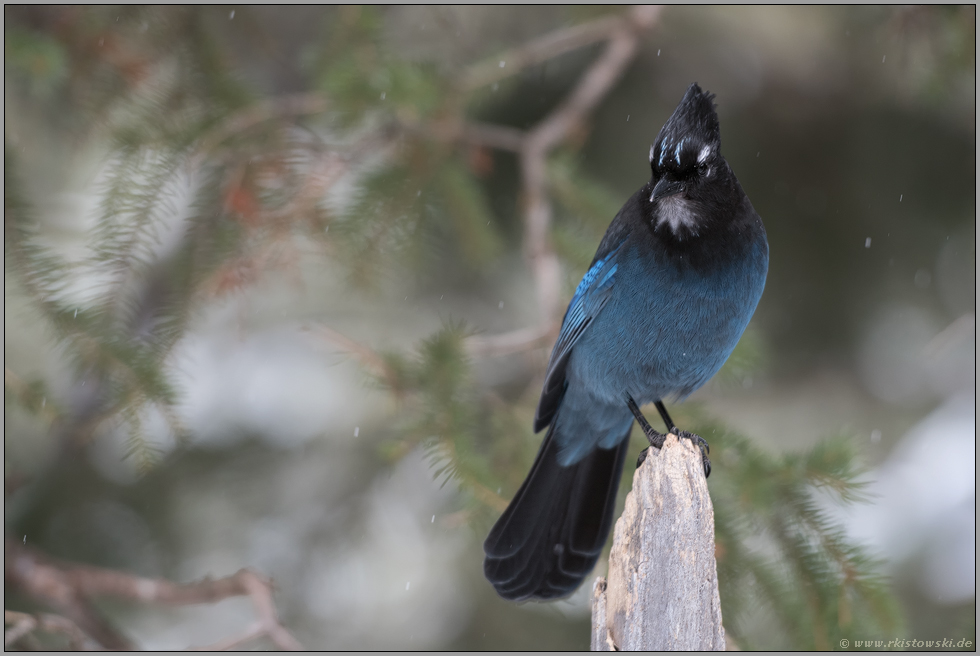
[(664, 188)]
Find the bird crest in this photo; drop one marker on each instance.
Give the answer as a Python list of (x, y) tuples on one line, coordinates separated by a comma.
[(690, 136)]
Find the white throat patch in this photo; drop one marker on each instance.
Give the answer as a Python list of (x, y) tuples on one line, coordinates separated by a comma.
[(677, 212)]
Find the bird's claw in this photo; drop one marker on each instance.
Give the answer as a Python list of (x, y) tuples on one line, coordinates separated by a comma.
[(702, 446), (653, 437), (657, 440)]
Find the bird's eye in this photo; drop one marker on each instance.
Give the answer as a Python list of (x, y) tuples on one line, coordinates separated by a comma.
[(703, 168)]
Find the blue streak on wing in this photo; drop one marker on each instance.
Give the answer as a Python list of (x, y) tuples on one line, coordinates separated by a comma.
[(590, 297)]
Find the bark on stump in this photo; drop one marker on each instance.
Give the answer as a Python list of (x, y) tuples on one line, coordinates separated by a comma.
[(662, 588)]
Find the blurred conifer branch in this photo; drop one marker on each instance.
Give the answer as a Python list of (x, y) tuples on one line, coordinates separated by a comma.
[(440, 406), (778, 548), (271, 178)]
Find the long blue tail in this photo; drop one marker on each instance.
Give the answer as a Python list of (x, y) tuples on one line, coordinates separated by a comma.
[(553, 531)]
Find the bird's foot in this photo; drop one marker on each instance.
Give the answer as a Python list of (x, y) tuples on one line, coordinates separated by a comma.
[(640, 459), (654, 438), (700, 443)]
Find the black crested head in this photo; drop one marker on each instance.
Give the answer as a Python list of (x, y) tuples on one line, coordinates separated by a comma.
[(693, 192), (690, 137)]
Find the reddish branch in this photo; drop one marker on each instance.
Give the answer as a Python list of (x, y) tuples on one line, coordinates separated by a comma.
[(69, 588), (301, 104), (369, 358)]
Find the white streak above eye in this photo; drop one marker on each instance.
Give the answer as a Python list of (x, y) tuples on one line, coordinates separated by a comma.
[(677, 151), (703, 155)]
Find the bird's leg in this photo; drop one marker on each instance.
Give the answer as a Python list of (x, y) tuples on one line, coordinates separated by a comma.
[(697, 440), (671, 426), (656, 439)]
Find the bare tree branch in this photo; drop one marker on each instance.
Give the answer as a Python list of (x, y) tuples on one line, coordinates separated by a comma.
[(534, 146), (260, 590), (539, 50), (32, 573), (555, 128), (23, 624), (495, 136), (69, 587), (596, 82), (514, 341)]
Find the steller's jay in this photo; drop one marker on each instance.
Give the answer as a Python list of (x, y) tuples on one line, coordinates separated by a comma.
[(675, 281)]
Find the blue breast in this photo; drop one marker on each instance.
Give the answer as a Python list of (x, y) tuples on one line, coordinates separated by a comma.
[(667, 328)]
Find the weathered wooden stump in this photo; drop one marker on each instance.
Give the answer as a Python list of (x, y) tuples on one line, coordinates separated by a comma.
[(662, 588)]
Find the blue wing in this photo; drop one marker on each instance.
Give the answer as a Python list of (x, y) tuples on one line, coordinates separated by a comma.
[(590, 297)]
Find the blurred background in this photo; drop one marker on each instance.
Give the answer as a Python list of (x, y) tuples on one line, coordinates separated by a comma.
[(271, 300)]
